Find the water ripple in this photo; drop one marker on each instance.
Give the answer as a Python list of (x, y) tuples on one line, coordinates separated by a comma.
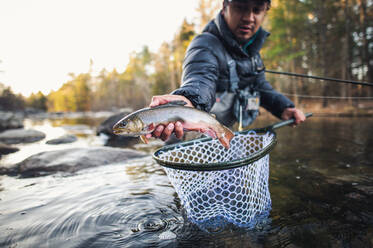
[(322, 204)]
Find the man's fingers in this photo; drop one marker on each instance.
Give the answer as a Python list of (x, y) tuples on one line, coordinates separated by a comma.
[(167, 131), (163, 99), (158, 131), (154, 103), (303, 117), (157, 100), (179, 132), (299, 117)]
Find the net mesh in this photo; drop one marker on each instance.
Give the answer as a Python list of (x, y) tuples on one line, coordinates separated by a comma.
[(214, 198)]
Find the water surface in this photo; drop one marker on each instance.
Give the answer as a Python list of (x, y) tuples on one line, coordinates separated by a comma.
[(321, 184)]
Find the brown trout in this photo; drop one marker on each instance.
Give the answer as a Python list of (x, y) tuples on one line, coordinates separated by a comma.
[(144, 121)]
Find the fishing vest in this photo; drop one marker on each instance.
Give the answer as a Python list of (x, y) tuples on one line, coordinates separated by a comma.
[(235, 104)]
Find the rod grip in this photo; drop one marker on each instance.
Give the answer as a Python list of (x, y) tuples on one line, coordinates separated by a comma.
[(287, 122)]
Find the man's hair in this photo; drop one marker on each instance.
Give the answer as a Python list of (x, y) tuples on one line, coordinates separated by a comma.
[(258, 1)]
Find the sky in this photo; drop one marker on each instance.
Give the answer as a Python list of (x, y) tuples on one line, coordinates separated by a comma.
[(42, 41)]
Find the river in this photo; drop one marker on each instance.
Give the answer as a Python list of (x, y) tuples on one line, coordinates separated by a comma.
[(321, 185)]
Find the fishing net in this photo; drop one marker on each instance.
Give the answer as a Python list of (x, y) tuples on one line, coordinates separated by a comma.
[(217, 186)]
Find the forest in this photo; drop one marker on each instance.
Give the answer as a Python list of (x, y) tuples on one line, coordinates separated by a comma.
[(313, 37)]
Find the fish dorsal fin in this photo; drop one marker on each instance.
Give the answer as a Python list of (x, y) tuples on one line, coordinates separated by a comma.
[(176, 103)]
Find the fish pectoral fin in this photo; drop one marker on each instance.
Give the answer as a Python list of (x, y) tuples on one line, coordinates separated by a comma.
[(209, 132), (225, 142), (144, 139), (226, 137)]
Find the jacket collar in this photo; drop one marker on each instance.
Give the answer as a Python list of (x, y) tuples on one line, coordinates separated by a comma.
[(220, 28)]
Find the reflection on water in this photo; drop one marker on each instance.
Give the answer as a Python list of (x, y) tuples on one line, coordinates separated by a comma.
[(86, 137), (321, 186)]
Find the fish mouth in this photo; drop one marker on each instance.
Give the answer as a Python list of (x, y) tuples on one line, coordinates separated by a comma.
[(129, 134), (117, 131)]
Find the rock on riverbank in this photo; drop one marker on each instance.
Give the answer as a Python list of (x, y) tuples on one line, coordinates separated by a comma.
[(6, 149), (66, 139), (71, 160), (10, 120), (17, 136)]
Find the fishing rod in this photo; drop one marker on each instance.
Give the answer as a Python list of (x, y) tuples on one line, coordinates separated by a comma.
[(320, 78)]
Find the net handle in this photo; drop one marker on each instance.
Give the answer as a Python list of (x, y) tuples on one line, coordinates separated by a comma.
[(282, 123)]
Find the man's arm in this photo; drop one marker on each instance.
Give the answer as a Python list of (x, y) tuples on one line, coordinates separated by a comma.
[(200, 73)]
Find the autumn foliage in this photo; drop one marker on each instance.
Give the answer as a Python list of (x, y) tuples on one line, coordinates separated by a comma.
[(315, 37)]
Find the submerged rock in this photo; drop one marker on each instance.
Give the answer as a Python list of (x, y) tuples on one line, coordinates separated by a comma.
[(63, 140), (5, 149), (72, 160), (17, 136), (10, 120)]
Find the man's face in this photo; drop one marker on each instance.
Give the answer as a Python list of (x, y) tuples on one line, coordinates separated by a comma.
[(244, 19)]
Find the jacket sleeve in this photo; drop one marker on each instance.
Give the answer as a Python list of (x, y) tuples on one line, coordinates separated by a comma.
[(200, 73), (270, 99)]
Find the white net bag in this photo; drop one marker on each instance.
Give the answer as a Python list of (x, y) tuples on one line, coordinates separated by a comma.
[(217, 186)]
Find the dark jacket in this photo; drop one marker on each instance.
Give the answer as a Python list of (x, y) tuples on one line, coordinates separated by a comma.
[(205, 69)]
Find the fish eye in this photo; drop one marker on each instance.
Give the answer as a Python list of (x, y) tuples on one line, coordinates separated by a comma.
[(123, 124)]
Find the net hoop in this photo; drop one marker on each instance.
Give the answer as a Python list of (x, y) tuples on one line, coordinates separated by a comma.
[(217, 186), (191, 166)]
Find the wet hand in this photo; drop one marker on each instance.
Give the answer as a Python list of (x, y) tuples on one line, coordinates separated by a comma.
[(164, 131), (163, 99), (297, 114)]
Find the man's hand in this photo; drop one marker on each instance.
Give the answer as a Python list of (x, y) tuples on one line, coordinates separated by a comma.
[(164, 132), (297, 114), (163, 99)]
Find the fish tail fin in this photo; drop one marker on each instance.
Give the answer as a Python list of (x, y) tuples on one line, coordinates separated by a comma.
[(226, 137)]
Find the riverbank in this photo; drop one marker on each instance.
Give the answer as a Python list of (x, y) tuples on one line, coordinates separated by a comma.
[(337, 108), (332, 110)]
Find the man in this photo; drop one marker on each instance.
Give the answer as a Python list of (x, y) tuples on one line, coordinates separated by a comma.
[(224, 61)]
